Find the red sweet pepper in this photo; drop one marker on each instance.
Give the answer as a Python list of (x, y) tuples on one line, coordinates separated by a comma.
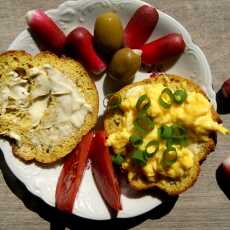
[(103, 172), (71, 175)]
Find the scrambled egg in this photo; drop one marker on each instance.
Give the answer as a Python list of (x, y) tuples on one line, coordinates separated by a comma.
[(185, 160), (194, 113)]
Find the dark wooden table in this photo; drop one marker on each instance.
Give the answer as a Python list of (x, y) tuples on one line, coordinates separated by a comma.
[(204, 206)]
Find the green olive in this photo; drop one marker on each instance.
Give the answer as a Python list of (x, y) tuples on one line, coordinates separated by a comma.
[(108, 32), (125, 63)]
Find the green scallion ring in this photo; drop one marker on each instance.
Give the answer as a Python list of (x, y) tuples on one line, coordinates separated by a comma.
[(143, 124), (169, 156), (139, 157), (180, 96), (155, 145), (165, 132), (178, 131), (180, 135), (117, 159), (135, 140), (114, 102), (143, 103), (166, 98)]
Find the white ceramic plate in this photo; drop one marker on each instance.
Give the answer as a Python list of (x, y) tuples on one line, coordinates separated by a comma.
[(42, 181)]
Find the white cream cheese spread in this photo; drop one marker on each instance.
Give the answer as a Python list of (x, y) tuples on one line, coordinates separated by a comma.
[(53, 101), (49, 83)]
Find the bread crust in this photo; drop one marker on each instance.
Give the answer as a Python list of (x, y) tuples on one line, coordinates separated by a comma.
[(73, 71), (140, 183)]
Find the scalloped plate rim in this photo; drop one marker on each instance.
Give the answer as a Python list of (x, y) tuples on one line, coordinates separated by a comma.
[(190, 45)]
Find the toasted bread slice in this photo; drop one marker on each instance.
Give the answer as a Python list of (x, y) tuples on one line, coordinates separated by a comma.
[(31, 142), (201, 149)]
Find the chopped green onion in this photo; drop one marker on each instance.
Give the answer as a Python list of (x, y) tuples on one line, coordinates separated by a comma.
[(143, 124), (117, 159), (180, 96), (139, 157), (166, 98), (180, 135), (178, 131), (143, 103), (175, 134), (152, 147), (169, 157), (114, 102), (135, 140), (165, 132)]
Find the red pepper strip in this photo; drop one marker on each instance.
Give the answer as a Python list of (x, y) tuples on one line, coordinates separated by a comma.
[(103, 172), (71, 175)]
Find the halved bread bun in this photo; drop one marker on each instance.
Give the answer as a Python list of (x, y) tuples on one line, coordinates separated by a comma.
[(173, 186), (40, 142)]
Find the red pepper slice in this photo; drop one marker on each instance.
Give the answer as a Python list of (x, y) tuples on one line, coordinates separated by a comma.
[(103, 172), (71, 175)]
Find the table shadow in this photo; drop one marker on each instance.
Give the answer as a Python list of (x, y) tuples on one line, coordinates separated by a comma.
[(223, 181), (59, 220)]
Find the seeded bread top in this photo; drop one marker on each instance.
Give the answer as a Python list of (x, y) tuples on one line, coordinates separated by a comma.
[(38, 141)]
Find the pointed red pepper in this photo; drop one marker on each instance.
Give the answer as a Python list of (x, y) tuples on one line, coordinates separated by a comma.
[(46, 30), (162, 49), (71, 175), (103, 172), (140, 27), (80, 42)]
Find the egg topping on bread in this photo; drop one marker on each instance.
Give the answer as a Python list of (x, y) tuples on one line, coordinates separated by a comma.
[(162, 125)]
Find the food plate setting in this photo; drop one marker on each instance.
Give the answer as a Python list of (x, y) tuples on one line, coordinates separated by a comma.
[(91, 201)]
